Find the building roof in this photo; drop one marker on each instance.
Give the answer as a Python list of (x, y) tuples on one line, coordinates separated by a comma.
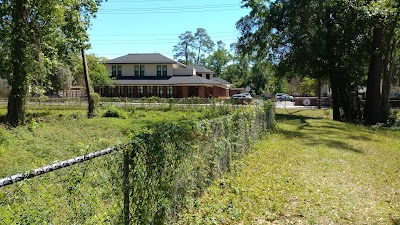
[(147, 58), (175, 80), (201, 69), (220, 80)]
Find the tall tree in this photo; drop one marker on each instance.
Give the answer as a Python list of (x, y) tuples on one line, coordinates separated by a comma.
[(185, 48), (237, 73), (36, 32), (98, 74), (203, 44), (219, 59), (385, 15), (315, 38), (261, 75)]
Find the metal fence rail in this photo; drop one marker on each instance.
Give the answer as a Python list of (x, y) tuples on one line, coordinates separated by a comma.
[(83, 190), (56, 166)]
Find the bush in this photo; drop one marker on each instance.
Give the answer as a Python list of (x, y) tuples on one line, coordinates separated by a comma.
[(171, 165), (114, 112)]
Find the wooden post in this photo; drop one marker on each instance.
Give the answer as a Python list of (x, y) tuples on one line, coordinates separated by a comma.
[(125, 186)]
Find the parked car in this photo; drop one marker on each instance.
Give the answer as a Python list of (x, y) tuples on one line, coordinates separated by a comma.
[(243, 98), (283, 97)]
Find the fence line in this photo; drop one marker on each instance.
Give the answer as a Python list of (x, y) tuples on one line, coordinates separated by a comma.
[(56, 166), (146, 181)]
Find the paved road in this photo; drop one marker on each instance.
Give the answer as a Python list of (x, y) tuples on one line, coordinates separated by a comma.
[(290, 105)]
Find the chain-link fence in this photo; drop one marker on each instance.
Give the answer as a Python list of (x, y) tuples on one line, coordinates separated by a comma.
[(147, 181), (84, 190)]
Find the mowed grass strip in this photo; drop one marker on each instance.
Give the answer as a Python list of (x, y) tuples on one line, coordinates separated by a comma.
[(312, 170), (52, 135)]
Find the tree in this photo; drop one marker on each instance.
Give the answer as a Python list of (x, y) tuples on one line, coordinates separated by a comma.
[(307, 86), (385, 15), (203, 44), (317, 38), (36, 32), (237, 73), (185, 48), (261, 75), (218, 60), (60, 79), (98, 74)]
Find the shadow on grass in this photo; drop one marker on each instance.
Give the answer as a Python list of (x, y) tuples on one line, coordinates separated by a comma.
[(396, 221), (330, 134), (3, 119)]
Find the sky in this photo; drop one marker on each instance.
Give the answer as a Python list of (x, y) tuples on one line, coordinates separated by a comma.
[(153, 26)]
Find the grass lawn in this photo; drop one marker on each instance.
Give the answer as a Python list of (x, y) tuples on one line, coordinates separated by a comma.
[(312, 170), (60, 134)]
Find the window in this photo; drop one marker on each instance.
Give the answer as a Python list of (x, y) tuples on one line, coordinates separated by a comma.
[(164, 70), (141, 70), (149, 91), (140, 91), (159, 91), (158, 70), (136, 70), (119, 70), (114, 71), (208, 76), (130, 91), (170, 91), (120, 91)]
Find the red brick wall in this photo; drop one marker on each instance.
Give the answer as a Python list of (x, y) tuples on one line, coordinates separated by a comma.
[(202, 92), (185, 92), (165, 92), (219, 92)]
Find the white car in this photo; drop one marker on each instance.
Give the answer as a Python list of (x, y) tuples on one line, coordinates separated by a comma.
[(242, 96), (283, 97)]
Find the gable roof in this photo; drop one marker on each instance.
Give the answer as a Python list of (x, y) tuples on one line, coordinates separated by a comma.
[(201, 69), (147, 58)]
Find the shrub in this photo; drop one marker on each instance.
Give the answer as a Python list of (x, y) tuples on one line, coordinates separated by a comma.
[(172, 164), (114, 112)]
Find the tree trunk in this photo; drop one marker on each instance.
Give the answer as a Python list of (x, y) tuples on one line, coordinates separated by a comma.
[(18, 82), (386, 82), (372, 114), (186, 55), (198, 56), (331, 70), (91, 103), (335, 100), (319, 92), (390, 48)]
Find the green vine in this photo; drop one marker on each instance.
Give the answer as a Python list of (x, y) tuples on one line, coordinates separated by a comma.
[(171, 165)]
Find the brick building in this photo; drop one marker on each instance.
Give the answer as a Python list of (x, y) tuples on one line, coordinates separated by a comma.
[(146, 75)]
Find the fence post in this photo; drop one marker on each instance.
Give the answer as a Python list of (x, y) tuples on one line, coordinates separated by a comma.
[(125, 186)]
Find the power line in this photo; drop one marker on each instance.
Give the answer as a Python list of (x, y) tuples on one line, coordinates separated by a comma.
[(152, 39), (167, 12), (149, 35), (168, 8)]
